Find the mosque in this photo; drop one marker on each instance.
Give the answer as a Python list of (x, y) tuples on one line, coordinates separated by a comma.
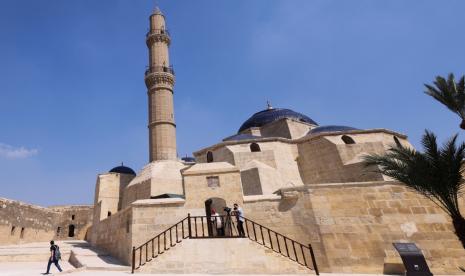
[(302, 185)]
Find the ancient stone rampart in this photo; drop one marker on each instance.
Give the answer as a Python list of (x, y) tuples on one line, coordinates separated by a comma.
[(22, 223)]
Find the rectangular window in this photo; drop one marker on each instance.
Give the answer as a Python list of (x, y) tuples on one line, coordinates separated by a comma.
[(127, 226), (58, 231), (72, 217), (213, 181), (13, 228)]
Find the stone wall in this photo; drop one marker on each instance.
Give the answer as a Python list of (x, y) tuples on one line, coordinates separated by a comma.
[(327, 159), (352, 227), (22, 223), (77, 217), (358, 225), (114, 235), (292, 216)]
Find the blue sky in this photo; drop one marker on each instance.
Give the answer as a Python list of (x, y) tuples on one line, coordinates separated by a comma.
[(73, 101)]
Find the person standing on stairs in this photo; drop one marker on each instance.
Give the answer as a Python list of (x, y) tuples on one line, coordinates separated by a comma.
[(216, 220), (55, 256), (239, 213)]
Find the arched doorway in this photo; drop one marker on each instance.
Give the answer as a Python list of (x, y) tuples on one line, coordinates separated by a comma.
[(218, 205)]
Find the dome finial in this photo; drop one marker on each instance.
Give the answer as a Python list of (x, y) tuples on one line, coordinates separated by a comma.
[(268, 105)]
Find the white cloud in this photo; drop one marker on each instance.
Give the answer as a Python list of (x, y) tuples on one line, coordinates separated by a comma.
[(16, 152)]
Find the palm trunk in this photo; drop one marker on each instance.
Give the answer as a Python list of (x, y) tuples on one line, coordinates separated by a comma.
[(459, 226), (462, 124)]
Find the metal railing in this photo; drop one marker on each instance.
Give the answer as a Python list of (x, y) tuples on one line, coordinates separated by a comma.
[(165, 69), (198, 227), (158, 32), (281, 244), (158, 244)]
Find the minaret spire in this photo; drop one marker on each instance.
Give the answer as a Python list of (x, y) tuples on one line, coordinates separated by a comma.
[(159, 79)]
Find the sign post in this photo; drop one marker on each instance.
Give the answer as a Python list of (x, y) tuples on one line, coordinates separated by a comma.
[(413, 259)]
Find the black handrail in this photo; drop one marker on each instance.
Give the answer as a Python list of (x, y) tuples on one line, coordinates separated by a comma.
[(224, 227), (295, 255), (140, 250)]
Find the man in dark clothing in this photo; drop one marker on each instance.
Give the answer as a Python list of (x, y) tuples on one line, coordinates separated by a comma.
[(53, 257)]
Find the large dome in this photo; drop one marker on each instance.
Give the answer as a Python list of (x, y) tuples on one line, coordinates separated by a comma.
[(273, 114), (123, 169)]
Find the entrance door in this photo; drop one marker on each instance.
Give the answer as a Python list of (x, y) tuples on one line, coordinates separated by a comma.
[(217, 204)]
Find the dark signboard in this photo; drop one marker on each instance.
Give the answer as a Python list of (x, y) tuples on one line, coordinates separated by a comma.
[(413, 259)]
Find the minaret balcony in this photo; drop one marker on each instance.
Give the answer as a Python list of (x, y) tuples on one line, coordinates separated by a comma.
[(159, 75), (158, 32), (158, 35), (159, 69)]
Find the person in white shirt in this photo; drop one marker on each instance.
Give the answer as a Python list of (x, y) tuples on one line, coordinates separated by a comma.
[(216, 220), (239, 213)]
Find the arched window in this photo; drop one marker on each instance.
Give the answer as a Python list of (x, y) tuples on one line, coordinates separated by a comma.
[(209, 157), (21, 235), (254, 147), (396, 140), (71, 231), (347, 139)]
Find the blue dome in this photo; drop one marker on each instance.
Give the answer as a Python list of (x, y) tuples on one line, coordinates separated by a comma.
[(273, 114), (188, 159), (330, 128), (123, 169), (239, 137)]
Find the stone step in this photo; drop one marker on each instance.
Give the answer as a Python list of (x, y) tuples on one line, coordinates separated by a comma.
[(222, 256)]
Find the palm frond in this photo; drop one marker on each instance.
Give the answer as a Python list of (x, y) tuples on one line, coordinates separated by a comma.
[(435, 173), (449, 93)]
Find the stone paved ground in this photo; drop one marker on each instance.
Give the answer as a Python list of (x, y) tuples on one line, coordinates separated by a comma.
[(36, 268)]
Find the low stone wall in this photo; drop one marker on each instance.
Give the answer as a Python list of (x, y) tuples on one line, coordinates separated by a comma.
[(23, 223)]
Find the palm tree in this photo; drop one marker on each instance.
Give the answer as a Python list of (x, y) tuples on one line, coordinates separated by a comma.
[(450, 94), (435, 173)]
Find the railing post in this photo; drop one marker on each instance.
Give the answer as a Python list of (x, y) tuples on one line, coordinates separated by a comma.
[(133, 259), (315, 267), (246, 227), (189, 225), (146, 252), (271, 241)]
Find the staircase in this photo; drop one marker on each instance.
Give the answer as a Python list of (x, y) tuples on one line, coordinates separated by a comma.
[(262, 250)]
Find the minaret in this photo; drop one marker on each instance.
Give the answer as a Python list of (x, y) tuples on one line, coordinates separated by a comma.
[(159, 79)]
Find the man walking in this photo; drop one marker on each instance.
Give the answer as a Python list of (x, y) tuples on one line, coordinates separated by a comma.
[(55, 256), (240, 219)]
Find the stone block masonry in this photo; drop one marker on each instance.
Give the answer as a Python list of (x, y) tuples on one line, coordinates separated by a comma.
[(22, 223)]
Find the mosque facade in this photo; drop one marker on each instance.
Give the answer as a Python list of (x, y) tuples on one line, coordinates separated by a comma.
[(301, 179)]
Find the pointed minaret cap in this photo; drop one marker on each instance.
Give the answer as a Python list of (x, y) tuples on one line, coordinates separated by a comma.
[(157, 11)]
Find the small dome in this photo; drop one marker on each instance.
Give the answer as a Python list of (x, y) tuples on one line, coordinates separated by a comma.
[(273, 114), (330, 128), (188, 159), (123, 169)]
